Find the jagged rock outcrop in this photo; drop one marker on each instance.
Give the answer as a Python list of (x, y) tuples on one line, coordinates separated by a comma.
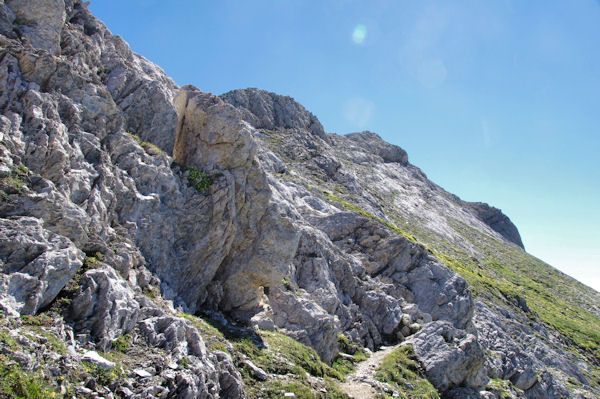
[(451, 357), (36, 265), (265, 110), (104, 306), (212, 136), (40, 22), (127, 202), (373, 144), (498, 221)]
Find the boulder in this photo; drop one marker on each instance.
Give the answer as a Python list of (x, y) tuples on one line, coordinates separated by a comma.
[(451, 357), (36, 264), (104, 306)]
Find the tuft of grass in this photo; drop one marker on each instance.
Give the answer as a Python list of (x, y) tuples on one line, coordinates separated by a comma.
[(345, 366), (105, 377), (213, 337), (402, 370), (152, 292), (150, 148), (12, 184), (7, 340), (122, 344), (287, 285), (92, 261), (502, 387), (16, 383)]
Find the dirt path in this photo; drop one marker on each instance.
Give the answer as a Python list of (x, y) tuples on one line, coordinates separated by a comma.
[(360, 384)]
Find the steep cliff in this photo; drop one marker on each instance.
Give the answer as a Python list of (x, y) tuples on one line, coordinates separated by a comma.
[(227, 246)]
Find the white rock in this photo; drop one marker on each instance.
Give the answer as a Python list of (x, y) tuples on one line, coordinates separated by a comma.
[(142, 373), (95, 358)]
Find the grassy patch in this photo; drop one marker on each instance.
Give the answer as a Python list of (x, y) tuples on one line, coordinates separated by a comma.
[(507, 273), (283, 353), (92, 261), (275, 389), (402, 370), (286, 360), (346, 366), (213, 338), (122, 344), (16, 383), (14, 183), (502, 387), (7, 340)]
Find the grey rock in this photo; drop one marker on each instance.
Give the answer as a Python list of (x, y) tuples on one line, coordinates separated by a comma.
[(265, 110), (299, 229), (105, 306), (141, 373), (40, 22), (36, 264), (498, 221), (305, 321), (451, 357), (257, 372), (372, 143)]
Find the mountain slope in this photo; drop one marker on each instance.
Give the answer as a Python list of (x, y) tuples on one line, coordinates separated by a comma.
[(227, 246)]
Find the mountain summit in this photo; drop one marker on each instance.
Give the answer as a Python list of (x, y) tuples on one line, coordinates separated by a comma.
[(158, 241)]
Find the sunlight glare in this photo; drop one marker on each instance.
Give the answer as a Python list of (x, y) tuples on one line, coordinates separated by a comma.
[(360, 34)]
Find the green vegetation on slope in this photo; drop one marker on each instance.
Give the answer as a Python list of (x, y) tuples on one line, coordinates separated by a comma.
[(17, 383), (286, 360), (343, 365), (505, 274), (402, 370), (508, 274)]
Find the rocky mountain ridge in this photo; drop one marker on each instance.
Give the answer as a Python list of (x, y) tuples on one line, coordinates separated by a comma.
[(129, 206)]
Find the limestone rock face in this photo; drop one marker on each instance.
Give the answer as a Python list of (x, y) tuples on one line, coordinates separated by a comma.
[(265, 110), (36, 265), (40, 22), (498, 221), (212, 136), (237, 204), (372, 143), (105, 306), (451, 357)]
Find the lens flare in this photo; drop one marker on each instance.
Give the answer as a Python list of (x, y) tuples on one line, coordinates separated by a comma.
[(360, 34)]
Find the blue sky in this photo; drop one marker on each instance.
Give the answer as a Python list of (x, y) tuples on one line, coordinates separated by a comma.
[(497, 101)]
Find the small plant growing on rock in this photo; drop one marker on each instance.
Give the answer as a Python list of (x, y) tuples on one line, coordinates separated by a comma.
[(287, 284), (122, 344), (198, 179)]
